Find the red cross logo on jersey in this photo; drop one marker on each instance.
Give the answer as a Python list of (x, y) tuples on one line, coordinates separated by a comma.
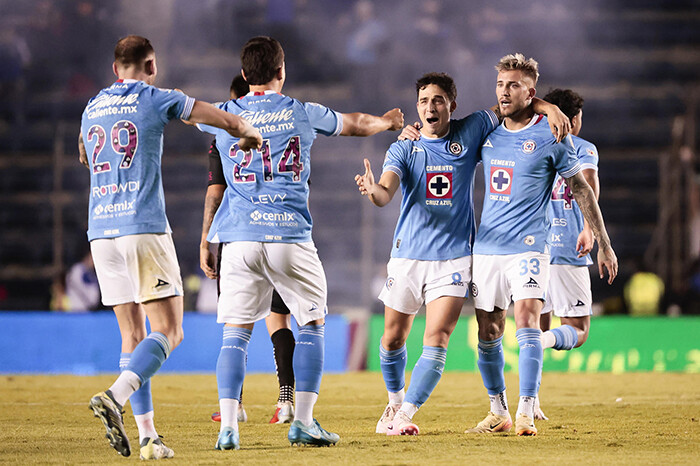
[(439, 186), (501, 180)]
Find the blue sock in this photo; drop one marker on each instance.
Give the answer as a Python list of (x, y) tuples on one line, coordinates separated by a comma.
[(230, 367), (141, 400), (491, 364), (393, 364), (530, 360), (426, 374), (149, 355), (565, 336), (308, 358)]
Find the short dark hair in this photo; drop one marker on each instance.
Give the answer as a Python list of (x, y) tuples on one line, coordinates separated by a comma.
[(442, 80), (567, 100), (239, 87), (261, 57), (132, 50)]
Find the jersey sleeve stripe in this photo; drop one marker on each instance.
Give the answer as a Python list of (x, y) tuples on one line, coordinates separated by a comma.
[(493, 117), (571, 171), (394, 169), (589, 166), (185, 115), (339, 124)]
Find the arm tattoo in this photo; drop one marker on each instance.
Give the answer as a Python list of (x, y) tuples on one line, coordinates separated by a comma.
[(211, 205), (589, 207)]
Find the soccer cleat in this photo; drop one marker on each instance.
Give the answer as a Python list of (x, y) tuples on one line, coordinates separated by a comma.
[(492, 423), (155, 449), (402, 425), (525, 425), (228, 439), (539, 415), (241, 415), (110, 413), (314, 435), (284, 413), (388, 416)]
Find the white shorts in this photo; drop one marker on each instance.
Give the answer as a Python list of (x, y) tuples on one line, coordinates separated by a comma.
[(251, 270), (499, 278), (569, 292), (136, 268), (411, 283)]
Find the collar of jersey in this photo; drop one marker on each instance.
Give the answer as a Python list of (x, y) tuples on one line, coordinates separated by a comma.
[(127, 81), (446, 136), (535, 119), (267, 91)]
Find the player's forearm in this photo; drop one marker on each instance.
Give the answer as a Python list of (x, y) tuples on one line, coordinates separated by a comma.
[(585, 197), (212, 201), (363, 124), (82, 152), (379, 196)]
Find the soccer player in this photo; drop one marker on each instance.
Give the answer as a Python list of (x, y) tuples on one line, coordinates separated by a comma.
[(265, 225), (570, 240), (431, 257), (511, 259), (129, 234), (278, 322)]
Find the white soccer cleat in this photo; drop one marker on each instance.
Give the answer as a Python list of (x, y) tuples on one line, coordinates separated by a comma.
[(284, 413), (242, 416), (525, 425), (539, 415), (492, 423), (155, 449), (402, 425), (388, 416)]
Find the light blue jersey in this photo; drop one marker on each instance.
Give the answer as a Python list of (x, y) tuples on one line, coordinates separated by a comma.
[(519, 169), (266, 197), (437, 176), (564, 213), (122, 129)]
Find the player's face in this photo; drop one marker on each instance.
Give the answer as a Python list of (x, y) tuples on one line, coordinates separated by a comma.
[(514, 91), (434, 110)]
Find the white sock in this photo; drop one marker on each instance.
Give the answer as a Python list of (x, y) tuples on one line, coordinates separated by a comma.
[(125, 385), (396, 398), (548, 339), (499, 403), (409, 409), (304, 407), (526, 406), (228, 407), (144, 422)]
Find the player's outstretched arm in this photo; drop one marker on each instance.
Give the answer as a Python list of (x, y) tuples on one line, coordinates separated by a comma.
[(558, 122), (212, 200), (585, 240), (82, 152), (586, 199), (380, 194), (364, 124), (236, 126)]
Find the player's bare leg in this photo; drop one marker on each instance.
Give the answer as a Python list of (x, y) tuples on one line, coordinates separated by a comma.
[(491, 364)]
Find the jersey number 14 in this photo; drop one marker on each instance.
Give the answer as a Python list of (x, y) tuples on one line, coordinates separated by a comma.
[(289, 162)]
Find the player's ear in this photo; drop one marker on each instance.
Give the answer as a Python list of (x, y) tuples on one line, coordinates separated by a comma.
[(243, 74), (532, 91), (115, 70), (149, 67), (453, 106)]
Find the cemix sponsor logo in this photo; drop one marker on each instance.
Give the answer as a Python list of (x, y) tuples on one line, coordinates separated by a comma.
[(272, 217), (113, 208), (262, 117), (114, 188)]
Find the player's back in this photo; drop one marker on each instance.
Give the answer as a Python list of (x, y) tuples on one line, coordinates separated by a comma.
[(566, 218), (267, 189), (122, 128), (519, 169)]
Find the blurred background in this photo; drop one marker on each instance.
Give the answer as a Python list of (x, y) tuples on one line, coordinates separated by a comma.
[(636, 63)]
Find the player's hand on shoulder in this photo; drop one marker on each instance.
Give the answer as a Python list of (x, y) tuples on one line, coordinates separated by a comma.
[(395, 117), (410, 132), (607, 260), (366, 181), (559, 124)]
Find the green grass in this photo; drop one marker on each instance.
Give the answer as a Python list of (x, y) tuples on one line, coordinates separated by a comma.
[(646, 418)]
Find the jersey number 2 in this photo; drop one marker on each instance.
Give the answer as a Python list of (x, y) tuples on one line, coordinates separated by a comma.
[(128, 150), (289, 162)]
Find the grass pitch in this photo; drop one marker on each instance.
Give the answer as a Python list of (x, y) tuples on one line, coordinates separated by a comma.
[(646, 418)]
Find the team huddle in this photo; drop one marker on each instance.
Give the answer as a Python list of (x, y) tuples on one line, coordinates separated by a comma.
[(534, 172)]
